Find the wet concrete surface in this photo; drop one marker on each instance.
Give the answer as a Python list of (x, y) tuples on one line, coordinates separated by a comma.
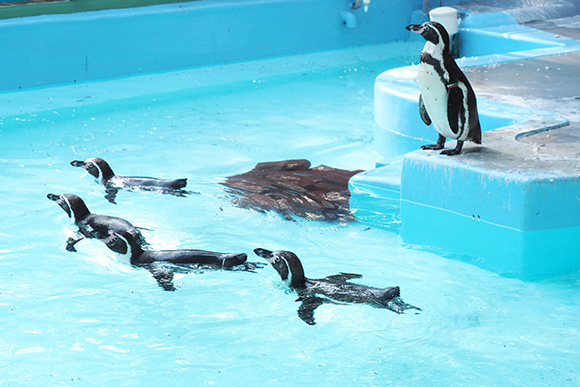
[(550, 83), (538, 148), (568, 26)]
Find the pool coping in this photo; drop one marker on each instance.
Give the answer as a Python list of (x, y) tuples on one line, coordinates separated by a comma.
[(107, 44)]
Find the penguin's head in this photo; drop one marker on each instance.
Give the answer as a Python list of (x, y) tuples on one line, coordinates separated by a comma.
[(287, 265), (123, 244), (432, 32), (74, 206), (97, 167)]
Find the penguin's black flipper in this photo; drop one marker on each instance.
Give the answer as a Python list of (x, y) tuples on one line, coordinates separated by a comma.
[(455, 108), (111, 194), (99, 231), (424, 115), (163, 276), (343, 277), (307, 308)]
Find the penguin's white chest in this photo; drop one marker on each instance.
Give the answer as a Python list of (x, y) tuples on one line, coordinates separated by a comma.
[(434, 94)]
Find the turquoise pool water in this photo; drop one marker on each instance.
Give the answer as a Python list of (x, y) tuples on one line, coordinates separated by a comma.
[(87, 319)]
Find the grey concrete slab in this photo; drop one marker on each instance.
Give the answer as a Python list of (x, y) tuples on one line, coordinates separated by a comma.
[(548, 83)]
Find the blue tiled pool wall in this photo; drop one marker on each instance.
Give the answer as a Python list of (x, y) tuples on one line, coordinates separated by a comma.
[(60, 49)]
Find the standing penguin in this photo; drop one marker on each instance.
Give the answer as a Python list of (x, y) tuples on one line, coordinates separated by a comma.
[(447, 98)]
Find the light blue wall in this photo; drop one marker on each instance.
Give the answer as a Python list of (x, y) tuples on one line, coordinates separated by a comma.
[(44, 50)]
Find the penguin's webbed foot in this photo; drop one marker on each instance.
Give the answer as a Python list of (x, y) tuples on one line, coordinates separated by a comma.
[(163, 276), (440, 144), (111, 195), (456, 151), (397, 305), (450, 152), (251, 267), (70, 244), (432, 147), (306, 309)]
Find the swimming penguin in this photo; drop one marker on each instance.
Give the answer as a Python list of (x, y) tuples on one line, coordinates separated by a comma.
[(447, 99), (92, 225), (129, 251), (101, 170), (332, 289)]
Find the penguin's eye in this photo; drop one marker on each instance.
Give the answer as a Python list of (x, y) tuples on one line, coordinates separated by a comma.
[(93, 170), (277, 260)]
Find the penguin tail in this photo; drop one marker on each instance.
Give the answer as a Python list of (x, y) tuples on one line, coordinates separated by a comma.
[(179, 183), (475, 135), (477, 139), (389, 293), (231, 260)]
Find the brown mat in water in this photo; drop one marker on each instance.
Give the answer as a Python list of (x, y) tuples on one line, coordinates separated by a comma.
[(291, 187)]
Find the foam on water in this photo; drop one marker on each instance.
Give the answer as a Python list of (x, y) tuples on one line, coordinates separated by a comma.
[(86, 319)]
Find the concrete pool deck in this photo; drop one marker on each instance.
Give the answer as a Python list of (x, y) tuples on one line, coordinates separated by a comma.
[(511, 205), (546, 83)]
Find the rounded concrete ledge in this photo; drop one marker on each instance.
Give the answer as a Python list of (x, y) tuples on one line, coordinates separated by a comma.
[(511, 205)]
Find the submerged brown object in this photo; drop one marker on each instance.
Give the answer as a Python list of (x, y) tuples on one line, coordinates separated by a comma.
[(291, 187)]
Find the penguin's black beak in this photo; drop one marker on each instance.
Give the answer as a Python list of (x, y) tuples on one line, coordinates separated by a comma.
[(263, 253), (53, 197), (414, 27), (77, 163), (62, 203)]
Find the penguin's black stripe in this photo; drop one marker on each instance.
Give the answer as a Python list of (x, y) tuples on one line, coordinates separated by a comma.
[(455, 111), (462, 118), (436, 64)]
